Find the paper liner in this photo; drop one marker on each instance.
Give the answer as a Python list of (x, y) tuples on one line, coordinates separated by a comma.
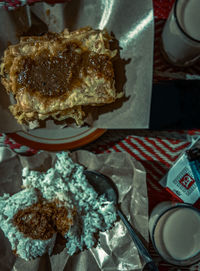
[(115, 249), (131, 23)]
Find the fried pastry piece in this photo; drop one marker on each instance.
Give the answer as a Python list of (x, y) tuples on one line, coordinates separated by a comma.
[(56, 74)]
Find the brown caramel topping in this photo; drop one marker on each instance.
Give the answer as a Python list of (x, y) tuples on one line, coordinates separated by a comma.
[(42, 220), (101, 65), (55, 75)]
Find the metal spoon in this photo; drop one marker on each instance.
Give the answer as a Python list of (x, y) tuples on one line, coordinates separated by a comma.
[(103, 185)]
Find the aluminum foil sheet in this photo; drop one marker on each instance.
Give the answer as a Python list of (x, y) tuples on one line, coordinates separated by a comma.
[(115, 250)]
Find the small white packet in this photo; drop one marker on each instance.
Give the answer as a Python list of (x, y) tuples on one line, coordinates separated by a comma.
[(180, 181)]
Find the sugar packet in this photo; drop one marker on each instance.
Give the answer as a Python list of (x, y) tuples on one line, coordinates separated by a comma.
[(183, 178)]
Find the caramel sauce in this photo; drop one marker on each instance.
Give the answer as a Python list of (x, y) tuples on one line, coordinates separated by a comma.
[(53, 76), (42, 220), (100, 64)]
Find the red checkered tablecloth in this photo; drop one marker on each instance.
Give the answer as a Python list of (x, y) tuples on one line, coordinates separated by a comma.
[(156, 150)]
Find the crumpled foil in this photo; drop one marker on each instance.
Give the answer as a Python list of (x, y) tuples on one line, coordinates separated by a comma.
[(131, 23), (115, 250)]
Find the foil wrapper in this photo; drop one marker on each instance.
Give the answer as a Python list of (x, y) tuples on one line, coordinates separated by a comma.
[(131, 23), (115, 249)]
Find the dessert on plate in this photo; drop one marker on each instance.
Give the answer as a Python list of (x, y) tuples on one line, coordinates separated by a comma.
[(57, 74)]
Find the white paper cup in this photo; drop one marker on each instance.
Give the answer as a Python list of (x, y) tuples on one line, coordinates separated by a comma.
[(175, 232), (181, 33)]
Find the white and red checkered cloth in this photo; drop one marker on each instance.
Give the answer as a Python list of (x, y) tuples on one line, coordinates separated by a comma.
[(157, 151)]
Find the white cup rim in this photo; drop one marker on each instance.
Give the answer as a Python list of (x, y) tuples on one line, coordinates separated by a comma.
[(175, 262), (179, 25)]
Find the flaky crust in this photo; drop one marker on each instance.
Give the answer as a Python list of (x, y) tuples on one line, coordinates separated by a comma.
[(95, 89)]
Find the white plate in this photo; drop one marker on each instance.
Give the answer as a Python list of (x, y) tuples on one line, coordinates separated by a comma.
[(54, 140)]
